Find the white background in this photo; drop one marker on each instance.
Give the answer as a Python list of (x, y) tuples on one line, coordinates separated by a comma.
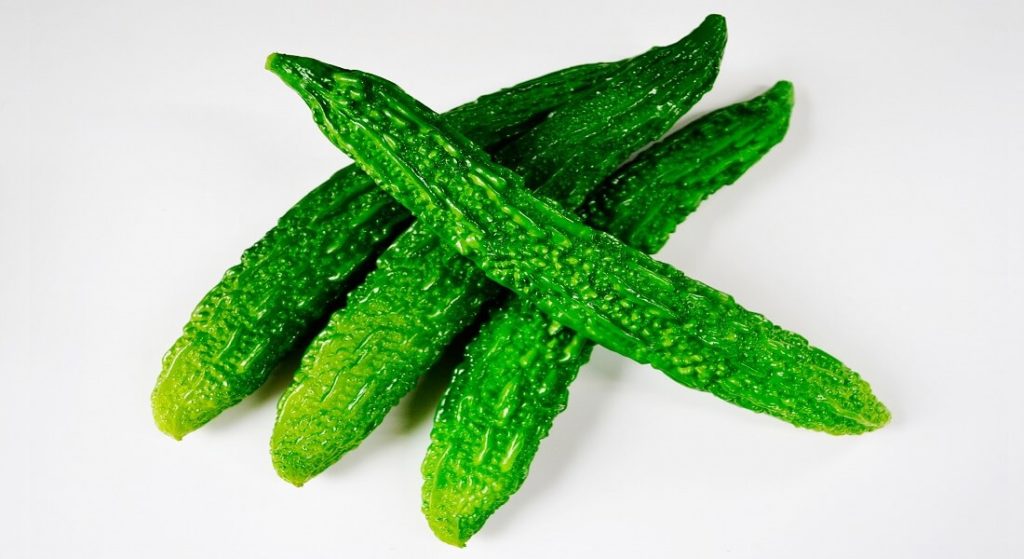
[(144, 146)]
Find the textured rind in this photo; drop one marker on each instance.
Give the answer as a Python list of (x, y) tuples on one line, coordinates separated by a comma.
[(359, 366), (667, 182), (497, 117), (286, 281), (500, 404), (504, 398), (396, 325), (581, 277), (261, 307)]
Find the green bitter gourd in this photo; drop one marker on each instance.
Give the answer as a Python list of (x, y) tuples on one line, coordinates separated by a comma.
[(288, 280), (400, 320), (582, 278), (504, 397)]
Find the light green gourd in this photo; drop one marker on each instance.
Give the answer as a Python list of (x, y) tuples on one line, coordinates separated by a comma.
[(289, 280)]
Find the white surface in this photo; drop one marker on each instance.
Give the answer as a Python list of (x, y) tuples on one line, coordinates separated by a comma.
[(144, 147)]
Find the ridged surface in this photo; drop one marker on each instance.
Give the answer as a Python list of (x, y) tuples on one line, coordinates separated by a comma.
[(371, 353), (504, 398), (583, 278), (643, 204), (286, 282), (501, 402), (398, 323), (261, 307)]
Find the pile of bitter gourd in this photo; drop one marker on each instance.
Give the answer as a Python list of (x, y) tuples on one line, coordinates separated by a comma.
[(532, 223)]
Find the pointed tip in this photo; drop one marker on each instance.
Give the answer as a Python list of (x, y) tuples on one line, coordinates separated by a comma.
[(177, 416), (713, 26), (292, 478), (447, 531), (712, 30), (291, 462), (716, 21), (280, 63), (297, 481), (183, 399), (874, 414), (291, 69), (782, 90), (178, 437), (775, 103), (447, 516), (272, 60), (170, 428), (287, 471), (299, 72), (883, 418), (169, 418), (870, 416)]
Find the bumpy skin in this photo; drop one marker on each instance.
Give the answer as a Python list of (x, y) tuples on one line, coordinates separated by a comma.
[(504, 398), (399, 322), (286, 281), (583, 278), (358, 367), (643, 204)]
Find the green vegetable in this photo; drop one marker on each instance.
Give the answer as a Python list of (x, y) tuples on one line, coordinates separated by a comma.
[(288, 280), (503, 399), (407, 311), (582, 278)]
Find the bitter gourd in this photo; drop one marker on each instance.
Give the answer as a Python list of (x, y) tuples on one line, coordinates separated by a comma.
[(289, 279), (400, 320), (504, 397), (585, 279)]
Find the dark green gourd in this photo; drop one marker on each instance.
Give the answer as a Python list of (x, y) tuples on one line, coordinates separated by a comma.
[(583, 278), (288, 280), (407, 311), (503, 399)]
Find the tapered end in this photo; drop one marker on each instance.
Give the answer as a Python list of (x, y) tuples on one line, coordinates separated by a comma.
[(714, 23), (447, 534), (774, 103), (873, 416), (455, 511), (329, 91), (708, 38), (304, 75), (782, 91), (290, 469), (446, 527), (176, 416), (184, 399), (273, 61), (288, 65), (306, 439), (294, 462), (171, 414), (848, 407), (168, 425)]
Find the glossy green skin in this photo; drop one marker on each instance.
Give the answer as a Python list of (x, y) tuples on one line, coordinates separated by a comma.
[(401, 319), (504, 398), (288, 280), (581, 277)]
